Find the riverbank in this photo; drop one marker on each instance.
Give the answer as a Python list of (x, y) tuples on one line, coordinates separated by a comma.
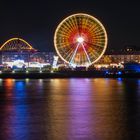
[(68, 74)]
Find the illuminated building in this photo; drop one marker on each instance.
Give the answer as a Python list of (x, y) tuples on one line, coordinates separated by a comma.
[(132, 67), (16, 49), (127, 54), (115, 58), (17, 52)]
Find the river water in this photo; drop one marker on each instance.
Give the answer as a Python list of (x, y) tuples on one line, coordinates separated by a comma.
[(70, 109)]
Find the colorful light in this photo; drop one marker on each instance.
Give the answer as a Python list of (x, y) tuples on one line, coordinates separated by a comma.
[(80, 40), (16, 44)]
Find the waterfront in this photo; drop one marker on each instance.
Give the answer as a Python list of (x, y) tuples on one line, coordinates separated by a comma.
[(70, 109)]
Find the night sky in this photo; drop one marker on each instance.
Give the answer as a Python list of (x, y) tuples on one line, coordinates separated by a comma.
[(36, 21)]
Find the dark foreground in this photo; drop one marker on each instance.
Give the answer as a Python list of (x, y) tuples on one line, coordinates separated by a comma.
[(70, 109), (68, 74)]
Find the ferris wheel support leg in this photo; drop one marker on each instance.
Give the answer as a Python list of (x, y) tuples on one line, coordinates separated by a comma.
[(74, 53), (86, 54)]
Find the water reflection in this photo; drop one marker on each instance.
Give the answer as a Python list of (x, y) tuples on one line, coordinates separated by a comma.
[(14, 114), (132, 103), (70, 109), (81, 110)]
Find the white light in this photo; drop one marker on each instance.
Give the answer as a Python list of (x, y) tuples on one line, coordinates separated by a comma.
[(13, 71), (80, 39), (27, 71), (27, 80)]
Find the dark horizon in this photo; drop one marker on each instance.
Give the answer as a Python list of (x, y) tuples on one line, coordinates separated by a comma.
[(36, 21)]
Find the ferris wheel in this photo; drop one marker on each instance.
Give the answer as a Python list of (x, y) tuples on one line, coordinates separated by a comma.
[(80, 40)]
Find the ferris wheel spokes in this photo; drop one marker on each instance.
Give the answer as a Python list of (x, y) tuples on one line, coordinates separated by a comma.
[(74, 54)]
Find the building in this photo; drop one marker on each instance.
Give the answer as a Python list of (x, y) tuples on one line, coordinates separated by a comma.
[(127, 54), (16, 49)]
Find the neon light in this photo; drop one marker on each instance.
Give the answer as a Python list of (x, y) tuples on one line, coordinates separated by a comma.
[(12, 39)]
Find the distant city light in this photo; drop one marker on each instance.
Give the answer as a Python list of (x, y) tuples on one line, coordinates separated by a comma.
[(106, 72), (119, 72), (27, 71), (13, 71)]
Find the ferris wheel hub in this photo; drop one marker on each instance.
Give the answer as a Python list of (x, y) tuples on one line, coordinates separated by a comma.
[(80, 39)]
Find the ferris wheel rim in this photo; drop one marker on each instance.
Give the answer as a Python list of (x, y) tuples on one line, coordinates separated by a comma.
[(90, 16)]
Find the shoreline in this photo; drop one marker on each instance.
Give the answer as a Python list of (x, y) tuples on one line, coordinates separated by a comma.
[(68, 74)]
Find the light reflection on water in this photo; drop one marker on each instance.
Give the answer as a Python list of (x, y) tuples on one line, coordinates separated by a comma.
[(80, 109), (70, 109)]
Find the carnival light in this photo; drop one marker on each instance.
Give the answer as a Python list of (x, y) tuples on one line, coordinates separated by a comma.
[(80, 40)]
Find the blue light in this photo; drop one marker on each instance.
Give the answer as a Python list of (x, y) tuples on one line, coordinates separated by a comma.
[(135, 67), (20, 89), (106, 72), (119, 72), (119, 79)]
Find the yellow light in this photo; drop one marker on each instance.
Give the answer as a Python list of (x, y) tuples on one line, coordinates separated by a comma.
[(81, 40), (12, 39)]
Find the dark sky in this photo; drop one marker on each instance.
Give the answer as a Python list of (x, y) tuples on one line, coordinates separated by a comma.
[(36, 21)]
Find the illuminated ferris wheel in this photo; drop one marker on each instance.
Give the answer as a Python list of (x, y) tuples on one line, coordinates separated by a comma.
[(80, 40)]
